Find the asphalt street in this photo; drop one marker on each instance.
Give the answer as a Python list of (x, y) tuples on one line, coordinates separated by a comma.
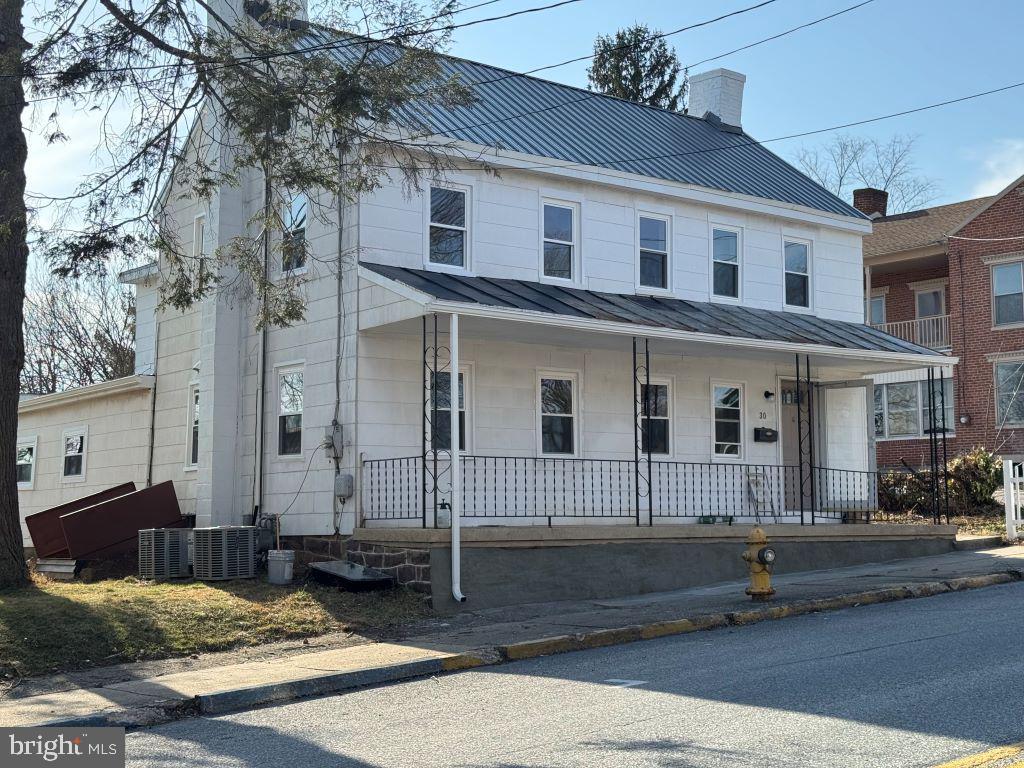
[(911, 683)]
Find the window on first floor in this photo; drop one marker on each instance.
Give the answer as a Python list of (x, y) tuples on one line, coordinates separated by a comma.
[(289, 415), (901, 409), (441, 419), (25, 463), (1010, 394), (192, 448), (558, 414), (657, 419), (74, 454), (727, 402)]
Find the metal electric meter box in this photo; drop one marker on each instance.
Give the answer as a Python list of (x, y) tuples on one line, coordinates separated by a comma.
[(766, 435), (225, 552)]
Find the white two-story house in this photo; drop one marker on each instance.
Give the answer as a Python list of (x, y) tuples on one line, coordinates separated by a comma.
[(652, 318)]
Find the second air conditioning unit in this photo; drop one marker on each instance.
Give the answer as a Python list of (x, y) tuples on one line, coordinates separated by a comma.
[(163, 553), (225, 552)]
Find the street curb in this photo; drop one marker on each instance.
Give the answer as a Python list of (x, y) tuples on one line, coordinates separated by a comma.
[(275, 693)]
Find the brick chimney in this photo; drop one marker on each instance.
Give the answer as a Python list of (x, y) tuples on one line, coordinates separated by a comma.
[(871, 202), (719, 91)]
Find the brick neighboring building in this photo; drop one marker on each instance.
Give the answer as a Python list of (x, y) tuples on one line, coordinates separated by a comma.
[(952, 278)]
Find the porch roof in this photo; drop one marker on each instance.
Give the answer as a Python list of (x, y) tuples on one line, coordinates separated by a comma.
[(695, 320)]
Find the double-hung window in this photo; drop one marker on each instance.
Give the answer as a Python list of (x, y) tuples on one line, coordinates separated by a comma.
[(293, 247), (725, 263), (656, 427), (198, 239), (727, 401), (192, 448), (73, 467), (289, 414), (449, 228), (1008, 293), (25, 463), (558, 414), (560, 247), (1010, 394), (441, 418), (797, 265), (901, 409), (654, 252)]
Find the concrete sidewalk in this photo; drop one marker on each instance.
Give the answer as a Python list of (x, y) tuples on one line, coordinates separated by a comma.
[(494, 636)]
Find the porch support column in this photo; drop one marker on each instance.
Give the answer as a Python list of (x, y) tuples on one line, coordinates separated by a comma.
[(456, 484), (867, 295), (805, 437), (641, 408)]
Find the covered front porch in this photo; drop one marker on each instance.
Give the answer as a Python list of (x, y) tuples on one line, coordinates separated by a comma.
[(563, 420)]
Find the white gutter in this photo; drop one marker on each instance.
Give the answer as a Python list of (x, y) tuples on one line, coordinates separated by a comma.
[(453, 403)]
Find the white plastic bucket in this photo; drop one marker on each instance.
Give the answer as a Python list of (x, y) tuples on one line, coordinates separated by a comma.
[(280, 563)]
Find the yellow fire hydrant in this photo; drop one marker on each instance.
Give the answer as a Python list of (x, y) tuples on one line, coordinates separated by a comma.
[(760, 559)]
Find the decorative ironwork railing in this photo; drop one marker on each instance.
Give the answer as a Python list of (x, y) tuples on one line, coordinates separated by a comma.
[(504, 489), (930, 332)]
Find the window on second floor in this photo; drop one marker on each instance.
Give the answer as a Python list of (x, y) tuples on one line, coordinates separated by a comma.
[(876, 310), (293, 246), (74, 454), (192, 447), (449, 230), (725, 258), (559, 241), (1008, 293), (797, 258), (654, 252)]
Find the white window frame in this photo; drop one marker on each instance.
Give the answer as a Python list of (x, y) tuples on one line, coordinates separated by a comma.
[(995, 392), (738, 231), (922, 408), (577, 259), (467, 256), (809, 244), (286, 209), (28, 441), (670, 418), (192, 414), (742, 387), (466, 371), (992, 292), (74, 432), (574, 377), (652, 290), (279, 371), (199, 238)]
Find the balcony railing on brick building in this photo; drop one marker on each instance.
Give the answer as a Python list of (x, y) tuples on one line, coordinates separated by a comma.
[(930, 332)]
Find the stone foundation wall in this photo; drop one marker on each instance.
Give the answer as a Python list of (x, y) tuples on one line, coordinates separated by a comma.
[(313, 549), (409, 566)]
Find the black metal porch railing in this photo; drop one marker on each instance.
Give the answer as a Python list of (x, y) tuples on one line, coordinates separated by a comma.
[(507, 488)]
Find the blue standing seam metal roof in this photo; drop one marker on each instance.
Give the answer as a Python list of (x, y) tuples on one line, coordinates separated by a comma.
[(678, 314), (592, 129)]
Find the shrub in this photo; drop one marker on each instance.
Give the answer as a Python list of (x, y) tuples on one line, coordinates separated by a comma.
[(973, 478)]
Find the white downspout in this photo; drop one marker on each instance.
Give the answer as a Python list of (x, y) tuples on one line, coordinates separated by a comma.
[(456, 513)]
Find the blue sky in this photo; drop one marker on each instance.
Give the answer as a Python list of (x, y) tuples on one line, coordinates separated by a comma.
[(887, 56)]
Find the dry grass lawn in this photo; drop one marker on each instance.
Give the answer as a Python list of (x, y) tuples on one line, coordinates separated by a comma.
[(54, 626)]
